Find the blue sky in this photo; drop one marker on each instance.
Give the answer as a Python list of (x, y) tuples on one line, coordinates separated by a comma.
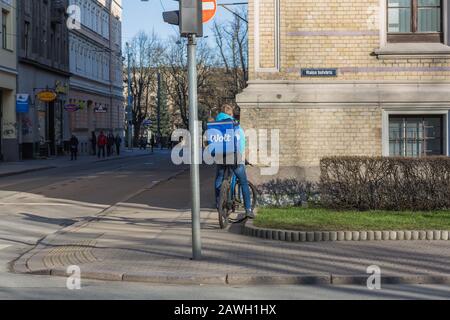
[(147, 15)]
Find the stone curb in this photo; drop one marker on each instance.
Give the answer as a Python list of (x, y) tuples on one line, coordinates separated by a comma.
[(249, 279), (173, 279), (236, 279), (249, 229), (392, 279), (14, 173)]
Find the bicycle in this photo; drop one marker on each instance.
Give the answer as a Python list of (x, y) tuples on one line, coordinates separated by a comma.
[(231, 199)]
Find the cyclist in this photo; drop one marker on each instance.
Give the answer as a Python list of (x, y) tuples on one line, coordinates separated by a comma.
[(238, 167)]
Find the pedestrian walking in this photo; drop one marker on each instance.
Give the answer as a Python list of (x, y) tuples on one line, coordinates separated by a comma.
[(93, 143), (142, 143), (118, 142), (158, 141), (101, 144), (110, 144), (73, 148), (152, 142)]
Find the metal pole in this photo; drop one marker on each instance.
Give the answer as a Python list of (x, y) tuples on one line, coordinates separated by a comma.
[(195, 145), (158, 116), (129, 106)]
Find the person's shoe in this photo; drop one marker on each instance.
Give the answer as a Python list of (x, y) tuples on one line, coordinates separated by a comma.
[(250, 214)]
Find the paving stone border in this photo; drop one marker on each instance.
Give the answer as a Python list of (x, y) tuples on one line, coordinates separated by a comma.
[(251, 279), (249, 229)]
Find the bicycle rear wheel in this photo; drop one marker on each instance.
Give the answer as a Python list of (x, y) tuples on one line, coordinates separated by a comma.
[(224, 204)]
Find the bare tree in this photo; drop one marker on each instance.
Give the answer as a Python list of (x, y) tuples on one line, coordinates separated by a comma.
[(232, 44), (176, 75), (147, 51), (222, 73)]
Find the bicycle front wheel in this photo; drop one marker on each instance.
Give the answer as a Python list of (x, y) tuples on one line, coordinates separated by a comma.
[(224, 205), (239, 197)]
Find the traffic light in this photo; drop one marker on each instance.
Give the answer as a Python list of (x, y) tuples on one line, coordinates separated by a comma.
[(188, 17)]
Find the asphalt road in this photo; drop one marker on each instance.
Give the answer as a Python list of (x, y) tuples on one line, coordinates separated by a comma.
[(37, 204)]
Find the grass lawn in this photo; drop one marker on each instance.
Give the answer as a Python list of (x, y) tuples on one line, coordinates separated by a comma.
[(317, 219)]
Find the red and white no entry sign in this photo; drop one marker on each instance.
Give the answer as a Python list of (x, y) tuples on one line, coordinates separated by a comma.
[(209, 9)]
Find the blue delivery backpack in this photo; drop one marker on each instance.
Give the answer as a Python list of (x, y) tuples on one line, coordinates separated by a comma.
[(221, 137)]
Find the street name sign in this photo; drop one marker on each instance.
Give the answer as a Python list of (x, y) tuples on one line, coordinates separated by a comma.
[(319, 72)]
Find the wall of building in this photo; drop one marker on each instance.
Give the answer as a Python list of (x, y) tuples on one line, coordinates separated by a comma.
[(43, 64), (8, 73), (96, 66), (32, 129), (347, 114), (287, 35), (117, 102), (43, 34)]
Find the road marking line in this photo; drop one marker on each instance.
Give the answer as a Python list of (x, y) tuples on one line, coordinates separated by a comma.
[(34, 204), (4, 246), (47, 204)]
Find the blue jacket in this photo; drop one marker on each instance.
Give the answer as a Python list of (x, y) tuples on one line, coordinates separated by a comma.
[(240, 134)]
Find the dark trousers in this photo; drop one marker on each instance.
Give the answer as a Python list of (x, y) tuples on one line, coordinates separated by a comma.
[(73, 154), (94, 149), (118, 149), (241, 175), (101, 150)]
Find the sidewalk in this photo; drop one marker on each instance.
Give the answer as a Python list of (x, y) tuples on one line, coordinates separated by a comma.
[(26, 166), (148, 239)]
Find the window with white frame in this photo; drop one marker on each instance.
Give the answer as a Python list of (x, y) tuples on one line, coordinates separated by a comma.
[(5, 31)]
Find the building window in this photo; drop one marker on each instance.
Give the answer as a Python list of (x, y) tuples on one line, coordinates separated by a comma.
[(414, 21), (26, 37), (416, 136), (5, 30)]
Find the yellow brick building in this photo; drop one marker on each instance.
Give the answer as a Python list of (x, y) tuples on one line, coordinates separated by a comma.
[(349, 77)]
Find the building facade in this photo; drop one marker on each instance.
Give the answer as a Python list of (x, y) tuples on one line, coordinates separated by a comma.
[(43, 42), (96, 94), (8, 74), (349, 77)]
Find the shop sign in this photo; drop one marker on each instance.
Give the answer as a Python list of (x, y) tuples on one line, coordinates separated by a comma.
[(46, 96), (22, 103), (71, 107), (60, 88), (82, 105), (100, 109)]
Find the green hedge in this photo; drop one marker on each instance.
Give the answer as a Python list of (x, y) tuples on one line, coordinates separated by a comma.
[(385, 183)]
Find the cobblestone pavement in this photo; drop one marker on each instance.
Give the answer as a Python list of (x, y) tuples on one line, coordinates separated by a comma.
[(148, 238)]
